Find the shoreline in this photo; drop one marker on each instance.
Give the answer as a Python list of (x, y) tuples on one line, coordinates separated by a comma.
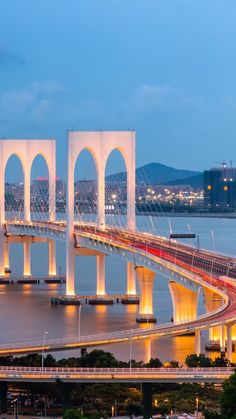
[(231, 215)]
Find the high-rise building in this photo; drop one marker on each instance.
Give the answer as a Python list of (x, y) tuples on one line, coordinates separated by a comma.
[(220, 188)]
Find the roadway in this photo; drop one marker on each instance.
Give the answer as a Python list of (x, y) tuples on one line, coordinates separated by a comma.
[(207, 266), (114, 375)]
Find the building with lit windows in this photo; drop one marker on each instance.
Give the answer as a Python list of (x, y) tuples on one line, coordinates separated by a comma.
[(220, 188)]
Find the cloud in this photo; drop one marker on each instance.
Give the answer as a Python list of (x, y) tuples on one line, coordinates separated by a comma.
[(7, 58), (157, 98), (47, 88), (31, 105)]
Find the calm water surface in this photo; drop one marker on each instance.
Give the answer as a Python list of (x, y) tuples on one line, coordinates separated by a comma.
[(26, 310)]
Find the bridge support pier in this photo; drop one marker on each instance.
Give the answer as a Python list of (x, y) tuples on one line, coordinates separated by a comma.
[(65, 390), (146, 282), (222, 339), (229, 342), (212, 302), (147, 400), (147, 350), (101, 282), (3, 397), (131, 280), (6, 254), (27, 266), (185, 302), (197, 342), (2, 238), (52, 269)]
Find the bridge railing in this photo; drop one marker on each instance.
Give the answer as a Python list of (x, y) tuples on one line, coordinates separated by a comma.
[(128, 370)]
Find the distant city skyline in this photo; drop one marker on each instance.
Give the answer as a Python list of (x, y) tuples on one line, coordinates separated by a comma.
[(163, 68)]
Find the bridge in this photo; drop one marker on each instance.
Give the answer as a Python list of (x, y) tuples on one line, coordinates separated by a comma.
[(187, 269), (114, 375)]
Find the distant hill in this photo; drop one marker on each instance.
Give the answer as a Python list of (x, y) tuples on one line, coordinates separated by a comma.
[(194, 181), (157, 173)]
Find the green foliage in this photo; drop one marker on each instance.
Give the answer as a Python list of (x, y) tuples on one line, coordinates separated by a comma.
[(99, 359), (72, 414), (228, 398), (154, 363), (221, 362), (194, 361), (134, 409), (212, 415)]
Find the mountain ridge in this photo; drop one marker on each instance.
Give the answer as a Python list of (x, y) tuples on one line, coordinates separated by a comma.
[(158, 174)]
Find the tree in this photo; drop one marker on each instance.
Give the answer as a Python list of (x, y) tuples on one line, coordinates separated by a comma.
[(134, 409), (194, 361), (221, 362), (99, 359), (171, 364), (228, 399), (72, 414), (154, 363), (191, 361), (204, 361)]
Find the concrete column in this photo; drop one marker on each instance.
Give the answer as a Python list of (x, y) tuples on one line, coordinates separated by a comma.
[(131, 279), (222, 338), (101, 197), (146, 282), (2, 211), (2, 238), (147, 350), (229, 342), (147, 400), (101, 285), (52, 185), (131, 218), (6, 254), (27, 267), (26, 194), (52, 267), (212, 302), (70, 263), (185, 302), (197, 342), (3, 397)]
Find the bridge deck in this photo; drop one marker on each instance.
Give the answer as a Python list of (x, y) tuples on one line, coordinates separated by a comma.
[(83, 375), (202, 267)]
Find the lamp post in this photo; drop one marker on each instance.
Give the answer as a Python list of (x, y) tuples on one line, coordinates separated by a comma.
[(15, 412), (193, 258), (130, 352), (213, 240), (212, 263), (197, 404), (176, 251), (152, 224), (44, 338)]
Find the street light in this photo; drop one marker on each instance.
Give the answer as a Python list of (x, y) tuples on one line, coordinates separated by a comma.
[(193, 258), (44, 338), (130, 352), (197, 404), (176, 251), (15, 408), (212, 262), (213, 240)]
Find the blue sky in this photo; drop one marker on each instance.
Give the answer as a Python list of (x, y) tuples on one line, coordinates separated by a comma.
[(165, 68)]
